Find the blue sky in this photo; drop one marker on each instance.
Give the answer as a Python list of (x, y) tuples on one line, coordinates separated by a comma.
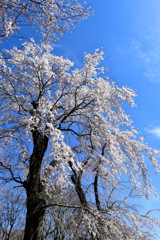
[(129, 32)]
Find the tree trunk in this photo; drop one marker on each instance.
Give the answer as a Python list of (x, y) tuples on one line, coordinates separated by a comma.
[(34, 191)]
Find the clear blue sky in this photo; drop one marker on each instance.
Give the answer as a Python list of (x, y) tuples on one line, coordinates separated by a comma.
[(129, 32)]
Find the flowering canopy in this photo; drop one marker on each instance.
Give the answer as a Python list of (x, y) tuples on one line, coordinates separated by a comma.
[(93, 147), (54, 17)]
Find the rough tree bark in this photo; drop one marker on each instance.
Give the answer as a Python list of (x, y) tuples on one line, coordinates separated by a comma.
[(33, 185), (35, 200)]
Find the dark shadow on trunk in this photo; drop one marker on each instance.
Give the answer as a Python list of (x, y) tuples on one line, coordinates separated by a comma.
[(34, 191)]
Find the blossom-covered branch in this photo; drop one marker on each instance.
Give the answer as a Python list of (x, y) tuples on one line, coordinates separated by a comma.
[(53, 17)]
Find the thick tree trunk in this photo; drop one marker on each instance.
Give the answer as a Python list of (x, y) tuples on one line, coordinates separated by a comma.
[(35, 196)]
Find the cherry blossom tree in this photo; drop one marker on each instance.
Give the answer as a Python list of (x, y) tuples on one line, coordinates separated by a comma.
[(66, 139), (53, 17)]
